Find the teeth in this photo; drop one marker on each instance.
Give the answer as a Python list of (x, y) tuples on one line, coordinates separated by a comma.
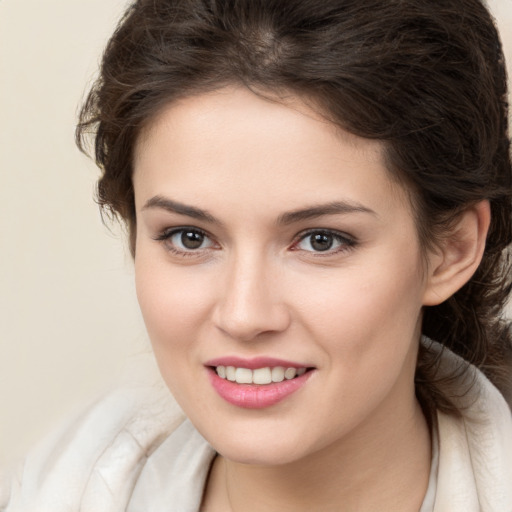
[(259, 376), (243, 376), (230, 373), (262, 376), (278, 374), (290, 373)]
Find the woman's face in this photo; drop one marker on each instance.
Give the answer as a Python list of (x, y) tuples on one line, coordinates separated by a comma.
[(269, 241)]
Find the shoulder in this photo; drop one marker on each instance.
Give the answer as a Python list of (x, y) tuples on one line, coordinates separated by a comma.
[(475, 448), (97, 457)]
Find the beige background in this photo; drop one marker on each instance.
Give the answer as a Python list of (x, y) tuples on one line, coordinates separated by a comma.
[(69, 322)]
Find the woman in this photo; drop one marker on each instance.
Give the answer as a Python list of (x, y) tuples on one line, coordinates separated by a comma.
[(318, 198)]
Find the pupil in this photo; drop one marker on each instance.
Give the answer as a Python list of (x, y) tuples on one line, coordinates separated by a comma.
[(321, 242), (192, 240)]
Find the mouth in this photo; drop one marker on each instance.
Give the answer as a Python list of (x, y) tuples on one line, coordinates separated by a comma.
[(257, 383), (259, 376)]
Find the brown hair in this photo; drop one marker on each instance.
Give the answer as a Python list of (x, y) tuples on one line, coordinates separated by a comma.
[(426, 77)]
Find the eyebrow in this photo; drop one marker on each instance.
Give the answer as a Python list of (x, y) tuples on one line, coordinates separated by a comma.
[(180, 208), (334, 208), (310, 212)]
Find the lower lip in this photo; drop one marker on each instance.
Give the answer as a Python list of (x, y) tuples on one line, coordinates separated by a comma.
[(254, 396)]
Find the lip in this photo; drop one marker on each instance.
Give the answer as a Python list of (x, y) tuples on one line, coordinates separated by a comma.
[(255, 396)]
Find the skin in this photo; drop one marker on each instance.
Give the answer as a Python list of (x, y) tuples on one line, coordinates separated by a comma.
[(353, 437)]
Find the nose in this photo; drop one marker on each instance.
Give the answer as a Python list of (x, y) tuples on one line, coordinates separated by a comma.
[(251, 302)]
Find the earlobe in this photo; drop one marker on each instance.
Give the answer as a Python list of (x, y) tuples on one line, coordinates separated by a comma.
[(459, 254)]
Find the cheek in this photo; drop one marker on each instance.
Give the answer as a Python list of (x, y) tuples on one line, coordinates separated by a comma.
[(171, 302), (173, 310), (366, 314), (360, 296), (368, 326)]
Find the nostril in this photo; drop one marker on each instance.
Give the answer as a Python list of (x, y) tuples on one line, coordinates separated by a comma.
[(248, 324)]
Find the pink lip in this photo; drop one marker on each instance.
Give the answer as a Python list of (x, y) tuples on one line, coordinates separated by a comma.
[(254, 363), (254, 396)]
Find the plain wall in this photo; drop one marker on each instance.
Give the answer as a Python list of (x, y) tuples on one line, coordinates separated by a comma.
[(69, 321), (68, 313)]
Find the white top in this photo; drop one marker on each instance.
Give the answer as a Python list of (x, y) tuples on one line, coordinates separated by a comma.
[(134, 451), (430, 496)]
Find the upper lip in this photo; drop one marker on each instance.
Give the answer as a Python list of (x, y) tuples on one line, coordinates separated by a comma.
[(254, 363)]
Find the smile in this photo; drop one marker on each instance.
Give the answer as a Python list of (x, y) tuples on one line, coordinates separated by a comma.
[(266, 383), (259, 376)]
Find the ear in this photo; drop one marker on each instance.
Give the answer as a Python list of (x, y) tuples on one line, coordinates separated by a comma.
[(458, 255)]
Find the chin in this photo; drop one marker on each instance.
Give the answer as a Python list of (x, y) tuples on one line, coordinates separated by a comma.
[(260, 455), (261, 444)]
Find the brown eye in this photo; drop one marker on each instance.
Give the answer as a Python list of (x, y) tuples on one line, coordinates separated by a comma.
[(321, 242), (186, 240), (324, 241), (191, 239)]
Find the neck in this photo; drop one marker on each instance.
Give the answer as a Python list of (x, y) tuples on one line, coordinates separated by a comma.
[(384, 468)]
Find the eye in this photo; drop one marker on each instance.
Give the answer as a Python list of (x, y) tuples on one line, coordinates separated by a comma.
[(186, 240), (324, 241), (189, 240)]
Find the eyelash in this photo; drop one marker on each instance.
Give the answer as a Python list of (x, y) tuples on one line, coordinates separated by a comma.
[(346, 242), (167, 235)]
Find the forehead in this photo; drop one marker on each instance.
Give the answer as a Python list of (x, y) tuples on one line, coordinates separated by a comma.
[(241, 110), (239, 141)]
